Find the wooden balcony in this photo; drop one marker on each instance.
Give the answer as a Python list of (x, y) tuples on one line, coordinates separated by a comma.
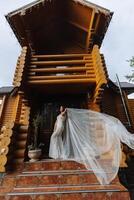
[(76, 73), (62, 72)]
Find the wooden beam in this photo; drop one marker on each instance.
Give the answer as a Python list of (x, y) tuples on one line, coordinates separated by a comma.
[(77, 25), (69, 81), (97, 21), (28, 32), (89, 30), (60, 63), (61, 56), (58, 70), (60, 77)]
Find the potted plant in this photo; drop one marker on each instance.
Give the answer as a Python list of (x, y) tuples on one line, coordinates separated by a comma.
[(34, 150)]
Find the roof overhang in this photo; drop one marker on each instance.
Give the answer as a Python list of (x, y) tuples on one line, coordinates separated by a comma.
[(47, 25), (6, 90)]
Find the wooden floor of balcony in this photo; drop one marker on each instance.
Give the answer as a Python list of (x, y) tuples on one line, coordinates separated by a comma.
[(54, 89)]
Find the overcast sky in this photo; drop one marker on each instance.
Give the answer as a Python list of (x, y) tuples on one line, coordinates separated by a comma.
[(118, 45)]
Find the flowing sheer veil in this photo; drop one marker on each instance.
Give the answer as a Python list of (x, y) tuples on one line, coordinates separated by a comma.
[(94, 139)]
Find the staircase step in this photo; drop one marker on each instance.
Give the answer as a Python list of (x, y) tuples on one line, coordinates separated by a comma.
[(51, 165), (77, 195), (54, 179), (56, 172), (58, 180), (70, 188)]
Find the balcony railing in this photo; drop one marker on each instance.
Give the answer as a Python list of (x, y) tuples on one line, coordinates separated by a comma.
[(61, 69)]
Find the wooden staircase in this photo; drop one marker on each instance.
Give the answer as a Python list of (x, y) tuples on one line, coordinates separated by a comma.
[(57, 180)]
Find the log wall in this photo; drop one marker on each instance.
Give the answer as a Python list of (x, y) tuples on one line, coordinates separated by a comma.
[(7, 124)]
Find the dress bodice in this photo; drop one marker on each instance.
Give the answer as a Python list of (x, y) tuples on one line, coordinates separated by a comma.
[(61, 118)]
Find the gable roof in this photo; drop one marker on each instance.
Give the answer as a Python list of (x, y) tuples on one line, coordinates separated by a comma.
[(49, 24)]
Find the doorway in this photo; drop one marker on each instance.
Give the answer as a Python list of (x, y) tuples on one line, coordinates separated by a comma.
[(48, 108)]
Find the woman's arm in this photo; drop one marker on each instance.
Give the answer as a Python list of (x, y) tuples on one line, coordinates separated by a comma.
[(64, 112)]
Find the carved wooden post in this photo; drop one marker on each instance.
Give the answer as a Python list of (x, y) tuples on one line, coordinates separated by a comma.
[(23, 121), (21, 64), (101, 78)]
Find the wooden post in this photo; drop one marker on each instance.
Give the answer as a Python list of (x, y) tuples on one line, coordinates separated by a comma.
[(89, 30), (19, 72), (101, 78)]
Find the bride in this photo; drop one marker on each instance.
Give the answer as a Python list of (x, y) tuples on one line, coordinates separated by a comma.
[(91, 138), (56, 143)]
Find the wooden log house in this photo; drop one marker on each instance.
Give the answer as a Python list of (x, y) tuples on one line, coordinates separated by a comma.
[(60, 64)]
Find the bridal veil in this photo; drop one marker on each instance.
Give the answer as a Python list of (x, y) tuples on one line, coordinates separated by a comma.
[(93, 139)]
